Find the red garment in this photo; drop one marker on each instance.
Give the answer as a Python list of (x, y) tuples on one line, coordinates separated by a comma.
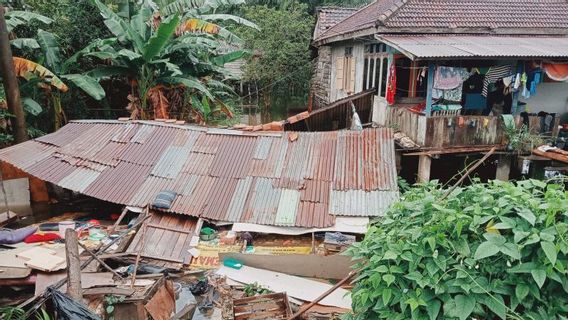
[(391, 86), (556, 71), (42, 237)]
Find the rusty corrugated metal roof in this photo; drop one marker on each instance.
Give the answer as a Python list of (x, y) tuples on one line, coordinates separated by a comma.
[(218, 174), (424, 46)]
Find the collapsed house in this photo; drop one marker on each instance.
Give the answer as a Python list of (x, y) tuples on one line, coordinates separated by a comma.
[(443, 74), (233, 182)]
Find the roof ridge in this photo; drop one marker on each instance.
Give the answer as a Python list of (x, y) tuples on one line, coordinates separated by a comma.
[(392, 10), (323, 35)]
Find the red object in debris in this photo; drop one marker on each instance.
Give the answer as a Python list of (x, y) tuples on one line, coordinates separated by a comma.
[(114, 216), (95, 222), (42, 237)]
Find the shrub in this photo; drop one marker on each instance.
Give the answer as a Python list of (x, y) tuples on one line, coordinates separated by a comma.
[(488, 251)]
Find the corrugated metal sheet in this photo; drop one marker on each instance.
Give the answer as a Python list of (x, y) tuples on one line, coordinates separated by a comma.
[(422, 46), (236, 177), (287, 207), (360, 202)]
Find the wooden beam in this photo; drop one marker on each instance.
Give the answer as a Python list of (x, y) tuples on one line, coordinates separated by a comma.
[(424, 164), (74, 289), (503, 168)]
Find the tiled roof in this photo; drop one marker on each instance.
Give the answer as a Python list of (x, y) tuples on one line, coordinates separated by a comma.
[(363, 18), (418, 16), (330, 16), (480, 14), (299, 179)]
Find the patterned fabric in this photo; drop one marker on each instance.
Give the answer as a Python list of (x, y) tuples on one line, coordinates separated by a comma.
[(447, 78), (494, 74)]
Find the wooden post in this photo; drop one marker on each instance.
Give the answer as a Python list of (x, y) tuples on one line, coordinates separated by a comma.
[(430, 87), (73, 265), (503, 168), (8, 73), (424, 164)]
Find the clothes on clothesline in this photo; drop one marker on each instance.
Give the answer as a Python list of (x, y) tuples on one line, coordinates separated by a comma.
[(391, 87), (494, 74), (448, 78)]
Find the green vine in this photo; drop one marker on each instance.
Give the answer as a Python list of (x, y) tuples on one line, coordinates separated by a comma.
[(492, 250)]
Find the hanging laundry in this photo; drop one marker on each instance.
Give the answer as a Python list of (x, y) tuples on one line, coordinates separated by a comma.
[(526, 93), (517, 82), (494, 74), (391, 86), (447, 78), (556, 71)]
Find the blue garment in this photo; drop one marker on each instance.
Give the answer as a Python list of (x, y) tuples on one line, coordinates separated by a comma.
[(474, 101)]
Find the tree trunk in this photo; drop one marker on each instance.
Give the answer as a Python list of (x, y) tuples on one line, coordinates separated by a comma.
[(11, 83), (74, 289)]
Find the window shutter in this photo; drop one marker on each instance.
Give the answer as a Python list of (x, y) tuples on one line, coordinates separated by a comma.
[(351, 83), (339, 72)]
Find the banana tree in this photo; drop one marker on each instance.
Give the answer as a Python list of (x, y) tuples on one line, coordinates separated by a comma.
[(156, 53), (49, 74)]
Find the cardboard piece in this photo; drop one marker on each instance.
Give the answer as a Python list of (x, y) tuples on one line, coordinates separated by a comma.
[(311, 266), (45, 262), (88, 280), (34, 252), (300, 288), (163, 303)]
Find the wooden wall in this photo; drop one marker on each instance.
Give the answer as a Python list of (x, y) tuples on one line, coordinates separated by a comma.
[(38, 188), (453, 131)]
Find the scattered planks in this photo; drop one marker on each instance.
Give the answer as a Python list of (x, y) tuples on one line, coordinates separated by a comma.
[(268, 306), (165, 239), (552, 153)]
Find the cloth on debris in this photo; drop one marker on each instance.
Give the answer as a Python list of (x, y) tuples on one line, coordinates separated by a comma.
[(69, 309), (164, 199), (355, 120), (9, 236), (494, 74), (42, 237), (556, 71), (448, 78)]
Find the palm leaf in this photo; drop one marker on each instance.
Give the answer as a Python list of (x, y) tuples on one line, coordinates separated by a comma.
[(117, 26), (180, 6), (107, 72), (198, 25), (31, 106), (160, 38), (17, 18), (93, 45), (214, 4), (51, 49), (88, 84), (141, 23), (230, 17), (230, 57), (22, 43), (191, 83), (28, 69), (229, 36)]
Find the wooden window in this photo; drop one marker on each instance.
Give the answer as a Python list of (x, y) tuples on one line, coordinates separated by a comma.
[(345, 75), (375, 68)]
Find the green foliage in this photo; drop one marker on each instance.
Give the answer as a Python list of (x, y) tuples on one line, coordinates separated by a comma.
[(281, 57), (492, 250), (110, 301), (254, 289)]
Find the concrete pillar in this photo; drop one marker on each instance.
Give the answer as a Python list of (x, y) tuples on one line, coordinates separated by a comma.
[(503, 168), (424, 164)]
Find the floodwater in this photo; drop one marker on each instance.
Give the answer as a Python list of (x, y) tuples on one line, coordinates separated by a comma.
[(280, 109)]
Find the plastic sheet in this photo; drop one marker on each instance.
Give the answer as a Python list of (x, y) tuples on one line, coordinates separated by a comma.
[(69, 309)]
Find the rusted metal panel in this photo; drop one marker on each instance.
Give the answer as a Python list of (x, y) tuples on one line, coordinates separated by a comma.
[(248, 177)]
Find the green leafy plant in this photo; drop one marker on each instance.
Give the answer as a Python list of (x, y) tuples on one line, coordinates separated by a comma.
[(254, 289), (494, 250), (110, 302), (520, 139)]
